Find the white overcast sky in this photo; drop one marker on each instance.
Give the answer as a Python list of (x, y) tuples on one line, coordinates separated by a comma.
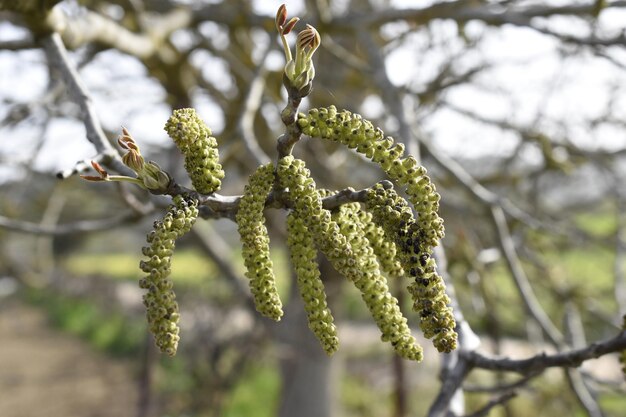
[(530, 82)]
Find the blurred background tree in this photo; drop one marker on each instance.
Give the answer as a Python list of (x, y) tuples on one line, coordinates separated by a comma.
[(515, 107)]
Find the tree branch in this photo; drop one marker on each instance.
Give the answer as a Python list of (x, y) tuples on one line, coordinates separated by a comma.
[(222, 206), (17, 44), (500, 400), (83, 226), (521, 280), (538, 363), (59, 59), (92, 27), (251, 107)]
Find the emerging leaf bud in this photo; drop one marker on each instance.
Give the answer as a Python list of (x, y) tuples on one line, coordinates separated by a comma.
[(281, 17)]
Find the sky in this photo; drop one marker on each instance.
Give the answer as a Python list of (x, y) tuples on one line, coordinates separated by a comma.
[(531, 80)]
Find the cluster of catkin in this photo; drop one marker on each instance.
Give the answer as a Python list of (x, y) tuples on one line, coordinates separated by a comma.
[(193, 138), (366, 243)]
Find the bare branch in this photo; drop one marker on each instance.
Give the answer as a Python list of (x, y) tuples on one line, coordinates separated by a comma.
[(218, 206), (249, 111), (453, 366), (18, 44), (216, 249), (575, 378), (483, 195), (523, 381), (463, 11), (92, 27), (60, 60), (450, 384), (521, 280), (620, 252), (83, 226), (538, 363), (390, 94), (582, 393), (483, 411)]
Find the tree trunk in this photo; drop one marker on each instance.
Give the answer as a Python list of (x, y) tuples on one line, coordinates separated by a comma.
[(306, 371)]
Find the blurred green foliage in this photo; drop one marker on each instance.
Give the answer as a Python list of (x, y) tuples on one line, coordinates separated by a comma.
[(256, 395), (108, 331), (189, 267)]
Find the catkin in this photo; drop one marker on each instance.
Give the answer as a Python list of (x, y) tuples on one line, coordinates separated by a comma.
[(304, 260), (358, 264), (373, 286), (255, 240), (160, 300), (384, 249), (359, 134), (307, 201), (192, 136), (430, 301)]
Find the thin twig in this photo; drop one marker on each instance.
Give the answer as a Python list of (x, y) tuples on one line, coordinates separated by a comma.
[(289, 115), (453, 366), (500, 400), (60, 60), (575, 379), (222, 206), (522, 382), (620, 251), (570, 358), (521, 280), (582, 393), (483, 195), (216, 249), (18, 44), (92, 27), (83, 226), (251, 106), (390, 95)]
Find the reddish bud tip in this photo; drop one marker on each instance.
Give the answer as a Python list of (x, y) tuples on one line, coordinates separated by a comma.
[(103, 174), (122, 142), (91, 178), (289, 26), (281, 16)]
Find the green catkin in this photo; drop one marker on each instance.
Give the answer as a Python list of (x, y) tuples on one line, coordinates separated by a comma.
[(192, 136), (255, 240), (384, 249), (308, 203), (304, 260), (160, 300), (430, 301), (336, 244), (359, 134), (373, 286)]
